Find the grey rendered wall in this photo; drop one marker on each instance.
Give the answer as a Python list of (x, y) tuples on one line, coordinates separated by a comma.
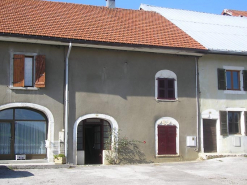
[(121, 84), (51, 96)]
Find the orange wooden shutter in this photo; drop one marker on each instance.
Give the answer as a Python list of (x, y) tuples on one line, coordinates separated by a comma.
[(18, 76), (40, 71)]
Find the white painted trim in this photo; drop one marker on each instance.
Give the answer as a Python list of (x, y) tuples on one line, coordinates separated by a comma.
[(166, 121), (165, 74), (111, 120), (235, 92), (24, 88), (236, 109), (210, 114), (141, 49), (50, 118), (233, 68)]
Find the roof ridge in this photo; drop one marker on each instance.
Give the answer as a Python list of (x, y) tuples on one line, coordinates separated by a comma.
[(78, 4), (231, 17), (179, 9)]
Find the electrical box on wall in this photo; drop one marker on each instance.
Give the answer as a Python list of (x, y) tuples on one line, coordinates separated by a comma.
[(191, 140), (236, 141), (61, 136)]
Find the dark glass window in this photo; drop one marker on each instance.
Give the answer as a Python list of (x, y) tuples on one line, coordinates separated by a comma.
[(166, 88), (232, 80), (28, 130), (6, 114), (234, 122)]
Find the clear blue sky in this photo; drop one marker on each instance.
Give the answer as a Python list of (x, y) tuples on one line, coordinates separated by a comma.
[(209, 6)]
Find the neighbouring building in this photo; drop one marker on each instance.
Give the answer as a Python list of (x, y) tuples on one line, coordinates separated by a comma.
[(222, 77), (72, 73), (236, 13)]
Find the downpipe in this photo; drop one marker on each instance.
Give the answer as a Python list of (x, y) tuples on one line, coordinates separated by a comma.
[(66, 101)]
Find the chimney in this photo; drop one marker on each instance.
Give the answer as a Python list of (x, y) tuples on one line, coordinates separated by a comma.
[(110, 3)]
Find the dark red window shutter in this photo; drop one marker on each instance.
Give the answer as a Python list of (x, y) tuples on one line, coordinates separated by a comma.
[(166, 140), (18, 71), (166, 88), (40, 71)]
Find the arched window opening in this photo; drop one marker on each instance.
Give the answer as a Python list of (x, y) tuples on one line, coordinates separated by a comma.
[(22, 131), (165, 86)]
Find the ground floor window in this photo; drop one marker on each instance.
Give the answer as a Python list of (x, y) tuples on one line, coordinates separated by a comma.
[(22, 131), (230, 122)]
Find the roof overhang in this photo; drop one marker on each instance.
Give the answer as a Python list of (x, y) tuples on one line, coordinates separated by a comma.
[(99, 45), (239, 53)]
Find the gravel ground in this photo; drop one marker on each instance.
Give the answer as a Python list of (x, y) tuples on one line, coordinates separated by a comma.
[(230, 170)]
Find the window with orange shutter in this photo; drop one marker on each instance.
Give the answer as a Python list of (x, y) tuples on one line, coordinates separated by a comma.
[(28, 71)]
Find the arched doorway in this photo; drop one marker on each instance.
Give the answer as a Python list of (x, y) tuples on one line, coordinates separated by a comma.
[(93, 137), (23, 131), (91, 132)]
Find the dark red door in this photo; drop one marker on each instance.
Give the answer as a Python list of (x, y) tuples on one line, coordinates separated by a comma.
[(209, 136), (166, 140)]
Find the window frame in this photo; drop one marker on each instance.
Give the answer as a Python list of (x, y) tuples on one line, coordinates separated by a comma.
[(36, 83), (13, 122), (232, 81), (166, 89), (233, 123), (33, 71), (222, 83), (224, 121), (165, 74)]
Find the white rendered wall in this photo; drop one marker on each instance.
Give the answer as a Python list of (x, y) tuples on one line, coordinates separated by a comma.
[(213, 100)]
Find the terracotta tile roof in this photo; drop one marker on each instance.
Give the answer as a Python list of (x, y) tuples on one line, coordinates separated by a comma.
[(234, 13), (91, 23)]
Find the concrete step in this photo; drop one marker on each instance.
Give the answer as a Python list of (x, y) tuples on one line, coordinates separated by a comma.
[(31, 164), (206, 156)]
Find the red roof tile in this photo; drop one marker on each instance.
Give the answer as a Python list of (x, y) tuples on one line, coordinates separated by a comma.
[(91, 23), (235, 13)]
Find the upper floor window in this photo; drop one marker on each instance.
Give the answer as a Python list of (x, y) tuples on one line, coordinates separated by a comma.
[(165, 85), (28, 70), (232, 79)]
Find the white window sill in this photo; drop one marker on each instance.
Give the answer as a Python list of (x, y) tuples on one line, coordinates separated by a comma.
[(24, 88), (163, 100), (160, 156), (234, 92)]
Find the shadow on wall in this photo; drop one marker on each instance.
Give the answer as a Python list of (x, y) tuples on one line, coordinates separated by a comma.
[(132, 154), (125, 151), (7, 173)]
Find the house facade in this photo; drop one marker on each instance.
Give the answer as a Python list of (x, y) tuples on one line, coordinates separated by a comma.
[(222, 77), (71, 78)]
